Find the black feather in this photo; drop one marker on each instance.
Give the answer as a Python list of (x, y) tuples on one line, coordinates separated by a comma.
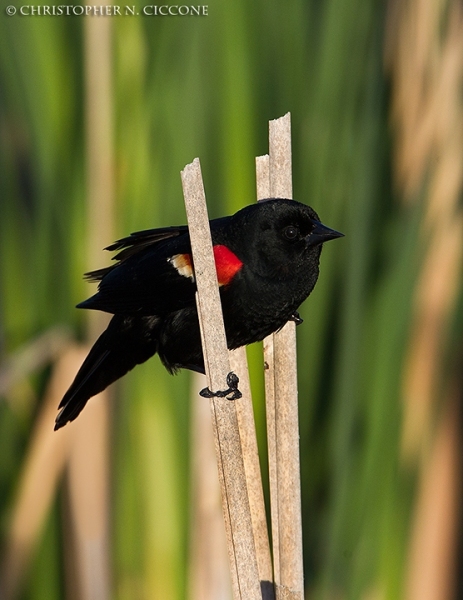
[(273, 249)]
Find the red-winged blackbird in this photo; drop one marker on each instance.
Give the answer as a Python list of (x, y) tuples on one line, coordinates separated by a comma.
[(266, 256)]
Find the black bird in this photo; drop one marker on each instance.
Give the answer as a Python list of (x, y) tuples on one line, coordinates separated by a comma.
[(267, 258)]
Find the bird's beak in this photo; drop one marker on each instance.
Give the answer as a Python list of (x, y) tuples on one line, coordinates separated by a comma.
[(321, 233)]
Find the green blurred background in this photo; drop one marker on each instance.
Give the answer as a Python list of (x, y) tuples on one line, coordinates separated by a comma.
[(374, 92)]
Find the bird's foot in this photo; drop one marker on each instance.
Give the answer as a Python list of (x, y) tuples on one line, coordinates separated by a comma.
[(296, 318), (232, 382)]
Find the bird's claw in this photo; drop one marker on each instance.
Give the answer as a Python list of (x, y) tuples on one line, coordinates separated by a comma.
[(232, 382), (296, 318)]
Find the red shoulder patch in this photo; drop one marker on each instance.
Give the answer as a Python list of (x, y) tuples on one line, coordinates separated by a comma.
[(227, 264)]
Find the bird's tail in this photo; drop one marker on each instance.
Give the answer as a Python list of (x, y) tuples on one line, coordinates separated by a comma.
[(127, 341)]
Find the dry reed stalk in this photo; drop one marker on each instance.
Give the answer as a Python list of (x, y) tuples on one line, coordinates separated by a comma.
[(434, 537), (88, 487), (89, 483), (427, 73), (425, 57), (263, 192), (238, 522), (209, 574), (274, 179), (99, 142), (247, 429), (45, 460), (33, 355)]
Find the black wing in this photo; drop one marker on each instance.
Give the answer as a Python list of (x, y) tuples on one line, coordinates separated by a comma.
[(133, 244), (144, 280)]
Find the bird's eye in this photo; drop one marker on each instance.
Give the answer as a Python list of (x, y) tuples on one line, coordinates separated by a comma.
[(291, 232)]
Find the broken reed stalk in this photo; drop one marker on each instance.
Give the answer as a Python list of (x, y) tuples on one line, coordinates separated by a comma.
[(238, 522), (274, 180)]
